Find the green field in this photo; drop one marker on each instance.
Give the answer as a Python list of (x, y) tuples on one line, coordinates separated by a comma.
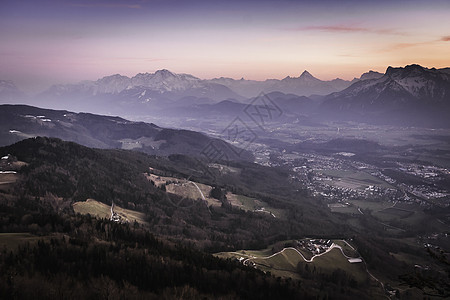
[(397, 212), (185, 189), (334, 260), (285, 262), (7, 181), (412, 216), (188, 189), (349, 251), (344, 209), (372, 205), (250, 204), (245, 253), (101, 210)]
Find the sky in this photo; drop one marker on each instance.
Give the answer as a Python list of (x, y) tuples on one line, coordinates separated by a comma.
[(66, 41)]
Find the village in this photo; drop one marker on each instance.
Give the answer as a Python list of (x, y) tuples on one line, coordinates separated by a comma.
[(314, 246)]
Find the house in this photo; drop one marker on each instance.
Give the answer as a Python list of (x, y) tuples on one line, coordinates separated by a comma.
[(114, 216)]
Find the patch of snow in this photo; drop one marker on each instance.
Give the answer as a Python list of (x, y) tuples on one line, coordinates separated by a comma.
[(346, 154)]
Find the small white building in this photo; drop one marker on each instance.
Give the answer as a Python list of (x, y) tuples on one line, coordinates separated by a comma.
[(354, 260)]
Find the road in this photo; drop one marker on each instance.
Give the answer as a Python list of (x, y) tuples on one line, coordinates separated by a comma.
[(304, 258)]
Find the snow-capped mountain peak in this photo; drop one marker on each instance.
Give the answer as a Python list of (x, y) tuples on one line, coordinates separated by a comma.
[(408, 87), (422, 83)]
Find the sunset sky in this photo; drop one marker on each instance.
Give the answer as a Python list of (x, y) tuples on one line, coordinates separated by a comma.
[(63, 41)]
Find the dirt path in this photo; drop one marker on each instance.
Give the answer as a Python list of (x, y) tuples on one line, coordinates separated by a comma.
[(199, 190), (6, 182)]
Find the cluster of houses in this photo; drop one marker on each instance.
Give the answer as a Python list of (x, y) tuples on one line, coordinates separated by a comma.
[(315, 246)]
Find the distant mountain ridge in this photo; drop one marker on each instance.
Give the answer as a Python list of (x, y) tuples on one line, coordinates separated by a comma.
[(163, 90), (18, 122), (10, 92), (304, 85), (173, 86), (413, 94), (140, 92), (145, 87), (162, 81)]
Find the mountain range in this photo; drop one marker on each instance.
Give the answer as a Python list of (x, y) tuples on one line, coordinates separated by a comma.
[(412, 95), (143, 91), (304, 85), (175, 86)]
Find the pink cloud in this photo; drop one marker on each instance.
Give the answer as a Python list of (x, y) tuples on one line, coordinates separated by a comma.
[(344, 29), (446, 38)]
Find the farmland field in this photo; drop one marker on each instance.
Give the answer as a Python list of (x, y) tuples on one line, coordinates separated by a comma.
[(285, 262), (397, 212), (342, 208), (354, 179), (334, 260), (102, 210), (372, 205), (6, 180), (348, 250), (253, 204)]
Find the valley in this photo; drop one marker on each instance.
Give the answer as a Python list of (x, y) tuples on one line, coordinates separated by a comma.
[(327, 183)]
